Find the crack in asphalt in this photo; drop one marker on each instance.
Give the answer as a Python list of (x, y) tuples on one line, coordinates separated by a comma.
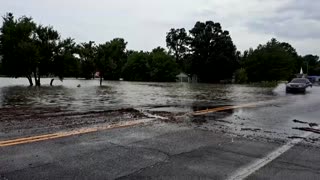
[(308, 168), (170, 156), (146, 167), (141, 169)]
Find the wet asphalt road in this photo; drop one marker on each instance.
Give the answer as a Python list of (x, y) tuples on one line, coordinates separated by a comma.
[(270, 140)]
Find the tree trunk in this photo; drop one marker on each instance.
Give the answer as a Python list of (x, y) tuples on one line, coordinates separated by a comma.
[(37, 79), (51, 82), (100, 80), (38, 83), (30, 80)]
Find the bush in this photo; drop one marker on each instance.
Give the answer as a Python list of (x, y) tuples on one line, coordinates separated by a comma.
[(241, 76)]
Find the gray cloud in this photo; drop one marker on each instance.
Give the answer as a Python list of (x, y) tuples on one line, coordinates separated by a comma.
[(307, 9), (144, 23), (289, 28), (297, 20)]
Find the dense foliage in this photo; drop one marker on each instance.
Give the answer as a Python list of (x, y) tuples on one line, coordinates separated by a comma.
[(157, 65), (311, 65), (275, 61), (206, 52), (32, 51), (272, 61)]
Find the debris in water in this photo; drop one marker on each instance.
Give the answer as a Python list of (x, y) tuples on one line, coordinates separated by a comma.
[(148, 114), (313, 139), (313, 124), (166, 116), (251, 129), (296, 137), (308, 129), (298, 121), (302, 122)]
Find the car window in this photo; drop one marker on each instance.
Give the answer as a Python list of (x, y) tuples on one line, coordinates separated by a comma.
[(298, 81)]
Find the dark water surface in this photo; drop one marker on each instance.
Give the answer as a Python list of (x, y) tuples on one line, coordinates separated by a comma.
[(114, 94)]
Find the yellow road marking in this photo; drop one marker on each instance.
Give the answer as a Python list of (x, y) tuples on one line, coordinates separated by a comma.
[(108, 127), (26, 139), (207, 111), (71, 133)]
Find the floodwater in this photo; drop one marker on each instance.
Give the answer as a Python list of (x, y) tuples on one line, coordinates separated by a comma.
[(274, 119), (120, 94)]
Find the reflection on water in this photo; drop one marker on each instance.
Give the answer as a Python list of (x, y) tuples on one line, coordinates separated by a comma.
[(90, 96)]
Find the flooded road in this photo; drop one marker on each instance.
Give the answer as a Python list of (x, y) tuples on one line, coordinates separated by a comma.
[(272, 118), (90, 96), (134, 130)]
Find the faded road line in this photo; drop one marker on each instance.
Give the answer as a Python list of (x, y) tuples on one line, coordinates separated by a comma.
[(258, 164), (72, 133), (224, 108)]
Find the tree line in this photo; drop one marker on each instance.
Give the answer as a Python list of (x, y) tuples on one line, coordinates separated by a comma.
[(208, 52), (31, 50), (34, 51), (274, 61)]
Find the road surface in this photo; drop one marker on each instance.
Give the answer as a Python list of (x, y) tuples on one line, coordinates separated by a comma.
[(269, 139)]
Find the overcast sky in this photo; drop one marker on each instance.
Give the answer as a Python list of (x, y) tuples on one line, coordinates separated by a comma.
[(144, 23)]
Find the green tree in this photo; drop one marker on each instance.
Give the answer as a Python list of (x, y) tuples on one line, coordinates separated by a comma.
[(46, 39), (163, 67), (271, 62), (214, 56), (177, 42), (158, 66), (241, 76), (87, 53), (16, 46), (117, 58), (27, 49), (65, 63), (311, 64), (137, 67), (111, 58), (103, 60)]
